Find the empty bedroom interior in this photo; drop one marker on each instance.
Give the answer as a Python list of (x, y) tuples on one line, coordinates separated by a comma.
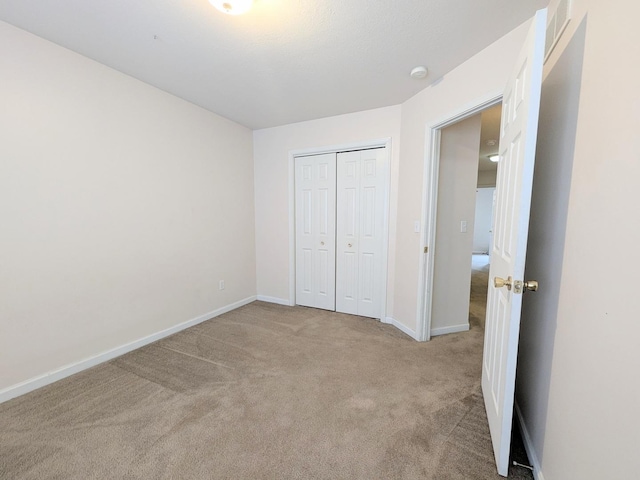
[(147, 323)]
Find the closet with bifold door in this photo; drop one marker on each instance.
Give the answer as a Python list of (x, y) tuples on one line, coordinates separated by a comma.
[(339, 231)]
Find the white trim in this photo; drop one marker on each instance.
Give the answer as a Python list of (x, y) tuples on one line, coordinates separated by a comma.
[(528, 445), (63, 372), (344, 147), (463, 327), (430, 208), (379, 143), (292, 229), (276, 300), (400, 326), (385, 228)]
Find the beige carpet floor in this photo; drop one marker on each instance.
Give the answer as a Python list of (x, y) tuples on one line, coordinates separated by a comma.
[(263, 392)]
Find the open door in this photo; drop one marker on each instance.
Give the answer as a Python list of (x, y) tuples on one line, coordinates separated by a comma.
[(518, 134)]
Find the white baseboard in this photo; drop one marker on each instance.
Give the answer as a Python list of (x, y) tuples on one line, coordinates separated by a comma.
[(400, 326), (63, 372), (528, 446), (279, 301), (452, 329)]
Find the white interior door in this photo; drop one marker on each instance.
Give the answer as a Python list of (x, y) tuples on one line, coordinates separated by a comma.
[(315, 211), (360, 232), (518, 135)]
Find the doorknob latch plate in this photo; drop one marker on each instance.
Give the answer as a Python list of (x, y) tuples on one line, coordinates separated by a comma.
[(528, 286), (518, 285)]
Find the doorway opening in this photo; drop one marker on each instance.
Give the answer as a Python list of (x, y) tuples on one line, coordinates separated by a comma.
[(431, 190), (463, 221), (484, 213)]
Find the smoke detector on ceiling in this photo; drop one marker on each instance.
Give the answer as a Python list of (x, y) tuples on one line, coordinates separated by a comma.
[(419, 72)]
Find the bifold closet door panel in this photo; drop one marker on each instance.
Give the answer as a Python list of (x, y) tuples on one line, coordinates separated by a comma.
[(372, 183), (348, 231), (315, 223), (359, 236)]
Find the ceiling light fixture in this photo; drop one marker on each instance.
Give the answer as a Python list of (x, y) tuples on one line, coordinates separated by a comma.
[(419, 72), (232, 7), (494, 158)]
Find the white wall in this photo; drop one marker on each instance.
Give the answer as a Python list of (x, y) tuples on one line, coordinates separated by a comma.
[(121, 208), (483, 220), (457, 178), (479, 78), (577, 386), (272, 203)]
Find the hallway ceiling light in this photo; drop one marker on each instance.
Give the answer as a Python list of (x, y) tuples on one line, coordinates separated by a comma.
[(232, 7), (494, 158)]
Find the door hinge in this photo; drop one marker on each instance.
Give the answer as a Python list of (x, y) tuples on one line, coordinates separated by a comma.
[(426, 249)]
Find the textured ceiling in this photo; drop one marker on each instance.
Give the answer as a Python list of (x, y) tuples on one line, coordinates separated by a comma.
[(286, 60)]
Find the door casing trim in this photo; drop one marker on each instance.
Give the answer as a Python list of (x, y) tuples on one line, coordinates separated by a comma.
[(433, 133)]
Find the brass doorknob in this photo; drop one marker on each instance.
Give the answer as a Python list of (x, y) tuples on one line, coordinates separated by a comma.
[(501, 282), (531, 285), (321, 243)]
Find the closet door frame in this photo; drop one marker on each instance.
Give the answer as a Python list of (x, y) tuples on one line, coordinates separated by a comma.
[(385, 143)]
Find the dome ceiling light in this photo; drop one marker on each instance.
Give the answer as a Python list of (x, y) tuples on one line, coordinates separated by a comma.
[(232, 7)]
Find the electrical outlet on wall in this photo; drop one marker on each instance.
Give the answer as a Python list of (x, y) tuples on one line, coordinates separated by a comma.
[(221, 285)]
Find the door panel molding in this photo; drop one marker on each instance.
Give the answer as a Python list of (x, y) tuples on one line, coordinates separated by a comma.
[(316, 230), (359, 232)]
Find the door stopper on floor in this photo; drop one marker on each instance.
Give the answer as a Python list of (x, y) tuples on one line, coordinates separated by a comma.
[(523, 466)]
